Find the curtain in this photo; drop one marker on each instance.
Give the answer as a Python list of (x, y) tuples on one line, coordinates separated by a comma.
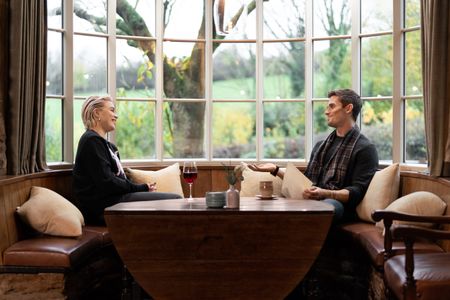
[(4, 13), (27, 76), (436, 83)]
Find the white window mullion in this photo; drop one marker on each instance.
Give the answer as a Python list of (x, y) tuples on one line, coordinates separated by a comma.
[(397, 101), (308, 78), (111, 56), (356, 45), (208, 80), (159, 82), (68, 155), (259, 81)]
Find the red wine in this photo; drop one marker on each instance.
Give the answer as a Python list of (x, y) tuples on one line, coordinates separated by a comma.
[(190, 177)]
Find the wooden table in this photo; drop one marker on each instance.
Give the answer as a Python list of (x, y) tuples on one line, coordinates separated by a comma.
[(180, 250)]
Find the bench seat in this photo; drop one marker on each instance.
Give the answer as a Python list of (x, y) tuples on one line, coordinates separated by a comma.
[(430, 272), (371, 239), (57, 252)]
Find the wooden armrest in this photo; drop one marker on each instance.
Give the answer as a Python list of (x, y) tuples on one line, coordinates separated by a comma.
[(379, 215), (409, 231), (389, 216)]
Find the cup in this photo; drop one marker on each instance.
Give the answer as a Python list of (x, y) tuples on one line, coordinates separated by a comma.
[(266, 189)]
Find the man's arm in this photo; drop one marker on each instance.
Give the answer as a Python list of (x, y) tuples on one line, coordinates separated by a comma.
[(267, 167), (316, 193)]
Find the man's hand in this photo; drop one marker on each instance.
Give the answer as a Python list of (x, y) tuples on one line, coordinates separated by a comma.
[(315, 193), (151, 186), (266, 167)]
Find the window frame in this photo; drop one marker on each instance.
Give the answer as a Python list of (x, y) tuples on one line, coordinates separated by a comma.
[(398, 97)]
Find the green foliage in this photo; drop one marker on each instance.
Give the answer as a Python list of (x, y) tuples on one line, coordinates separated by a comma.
[(135, 132)]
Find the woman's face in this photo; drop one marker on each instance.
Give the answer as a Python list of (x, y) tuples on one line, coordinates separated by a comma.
[(106, 116)]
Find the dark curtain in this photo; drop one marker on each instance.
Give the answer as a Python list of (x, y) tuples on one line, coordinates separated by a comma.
[(4, 58), (436, 83), (27, 74)]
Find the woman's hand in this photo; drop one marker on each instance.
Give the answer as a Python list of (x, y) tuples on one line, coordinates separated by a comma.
[(151, 186), (266, 167)]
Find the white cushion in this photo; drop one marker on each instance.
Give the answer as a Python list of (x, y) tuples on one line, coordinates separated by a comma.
[(250, 184), (167, 179), (417, 203), (382, 190), (50, 213), (294, 183)]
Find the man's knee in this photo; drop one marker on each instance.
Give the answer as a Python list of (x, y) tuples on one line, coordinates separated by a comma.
[(338, 209)]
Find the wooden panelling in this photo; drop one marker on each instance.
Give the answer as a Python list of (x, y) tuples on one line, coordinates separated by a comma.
[(414, 182)]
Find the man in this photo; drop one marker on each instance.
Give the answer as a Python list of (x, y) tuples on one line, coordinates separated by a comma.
[(342, 165)]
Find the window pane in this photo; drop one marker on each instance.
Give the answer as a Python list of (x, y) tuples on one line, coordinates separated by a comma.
[(376, 15), (332, 17), (184, 70), (53, 130), (320, 125), (376, 66), (135, 131), (377, 126), (332, 66), (284, 70), (184, 127), (235, 20), (90, 16), (415, 144), (54, 64), (54, 13), (413, 63), (233, 130), (234, 74), (284, 130), (142, 20), (284, 19), (90, 69), (135, 73), (78, 127), (412, 13), (184, 19)]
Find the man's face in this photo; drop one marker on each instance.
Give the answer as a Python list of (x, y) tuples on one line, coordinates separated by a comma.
[(337, 114)]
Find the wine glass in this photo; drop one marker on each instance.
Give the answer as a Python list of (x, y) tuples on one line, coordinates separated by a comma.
[(189, 175)]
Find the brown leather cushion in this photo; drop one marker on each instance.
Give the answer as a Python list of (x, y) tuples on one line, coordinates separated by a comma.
[(355, 229), (431, 272), (372, 240), (50, 251)]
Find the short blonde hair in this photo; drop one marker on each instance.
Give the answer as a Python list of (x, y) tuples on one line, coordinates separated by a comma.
[(89, 105)]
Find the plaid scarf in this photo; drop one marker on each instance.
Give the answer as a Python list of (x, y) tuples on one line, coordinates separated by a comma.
[(330, 175)]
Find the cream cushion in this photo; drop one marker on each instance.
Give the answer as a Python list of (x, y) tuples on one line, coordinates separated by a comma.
[(250, 184), (167, 179), (294, 183), (382, 190), (50, 213), (417, 203)]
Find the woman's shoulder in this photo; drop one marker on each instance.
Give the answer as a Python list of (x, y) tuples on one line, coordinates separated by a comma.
[(90, 137)]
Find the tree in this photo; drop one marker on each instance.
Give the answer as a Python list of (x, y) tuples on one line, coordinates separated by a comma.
[(182, 79)]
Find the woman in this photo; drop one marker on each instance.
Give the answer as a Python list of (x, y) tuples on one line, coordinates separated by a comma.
[(98, 177)]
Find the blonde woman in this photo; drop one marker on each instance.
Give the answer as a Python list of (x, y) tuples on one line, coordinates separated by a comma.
[(98, 177)]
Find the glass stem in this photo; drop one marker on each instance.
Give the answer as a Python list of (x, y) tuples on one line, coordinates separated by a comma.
[(190, 190)]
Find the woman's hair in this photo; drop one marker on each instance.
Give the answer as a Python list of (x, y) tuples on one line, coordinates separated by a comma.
[(89, 105)]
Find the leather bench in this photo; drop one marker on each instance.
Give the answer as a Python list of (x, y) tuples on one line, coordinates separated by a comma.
[(57, 252), (37, 266)]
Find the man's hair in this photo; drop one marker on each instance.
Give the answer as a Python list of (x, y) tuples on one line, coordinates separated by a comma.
[(89, 105), (347, 96)]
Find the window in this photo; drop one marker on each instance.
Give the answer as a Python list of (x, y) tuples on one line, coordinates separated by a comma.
[(248, 80)]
